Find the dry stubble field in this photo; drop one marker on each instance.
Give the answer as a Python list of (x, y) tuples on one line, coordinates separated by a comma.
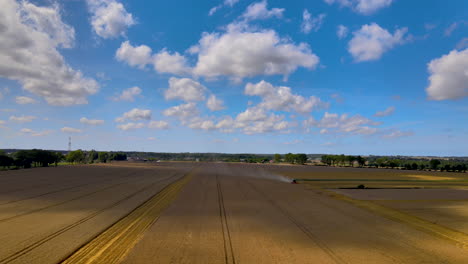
[(230, 213)]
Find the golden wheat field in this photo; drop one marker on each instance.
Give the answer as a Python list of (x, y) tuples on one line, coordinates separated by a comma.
[(182, 212)]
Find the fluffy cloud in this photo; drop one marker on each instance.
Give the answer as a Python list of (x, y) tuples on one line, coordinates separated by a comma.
[(135, 114), (255, 121), (91, 122), (389, 111), (334, 124), (128, 94), (109, 18), (22, 119), (130, 126), (70, 130), (24, 100), (449, 76), (365, 7), (371, 41), (229, 3), (29, 41), (164, 62), (201, 124), (238, 53), (182, 111), (282, 99), (310, 23), (158, 125), (139, 56), (36, 133), (214, 104), (260, 10), (342, 31), (185, 89)]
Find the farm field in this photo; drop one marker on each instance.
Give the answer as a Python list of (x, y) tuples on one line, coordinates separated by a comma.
[(230, 213)]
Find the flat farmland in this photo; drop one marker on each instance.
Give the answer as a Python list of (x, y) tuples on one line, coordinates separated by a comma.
[(217, 213), (47, 213)]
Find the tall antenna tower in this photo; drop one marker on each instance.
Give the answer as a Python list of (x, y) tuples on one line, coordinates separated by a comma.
[(69, 143)]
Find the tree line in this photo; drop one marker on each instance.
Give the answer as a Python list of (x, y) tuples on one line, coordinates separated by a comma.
[(395, 163), (92, 156), (299, 158), (30, 158), (44, 158)]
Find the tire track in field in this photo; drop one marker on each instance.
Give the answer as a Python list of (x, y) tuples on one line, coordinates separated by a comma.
[(64, 202), (382, 250), (64, 229), (228, 249), (113, 244), (64, 189), (454, 236), (301, 227)]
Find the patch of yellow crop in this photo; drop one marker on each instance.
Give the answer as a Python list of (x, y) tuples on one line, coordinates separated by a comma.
[(431, 178)]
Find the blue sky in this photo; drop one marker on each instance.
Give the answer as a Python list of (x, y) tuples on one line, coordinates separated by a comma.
[(325, 76)]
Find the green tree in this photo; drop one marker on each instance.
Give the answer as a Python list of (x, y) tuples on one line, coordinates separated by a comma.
[(103, 157), (289, 158), (76, 156), (434, 163), (361, 161), (6, 161), (277, 158), (301, 158), (92, 156)]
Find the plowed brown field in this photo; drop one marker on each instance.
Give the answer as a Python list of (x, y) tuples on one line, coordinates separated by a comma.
[(217, 213)]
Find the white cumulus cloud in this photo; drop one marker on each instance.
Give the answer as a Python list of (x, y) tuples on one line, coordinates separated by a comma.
[(138, 56), (128, 94), (182, 111), (29, 41), (185, 89), (342, 31), (389, 111), (158, 125), (335, 124), (310, 23), (449, 76), (260, 10), (371, 41), (34, 133), (164, 62), (22, 119), (24, 100), (135, 114), (214, 104), (365, 7), (92, 122), (281, 98), (130, 126), (229, 3), (109, 18), (238, 53), (70, 130)]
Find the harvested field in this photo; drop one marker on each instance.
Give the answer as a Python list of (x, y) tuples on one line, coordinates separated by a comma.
[(46, 214), (222, 213), (405, 194)]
